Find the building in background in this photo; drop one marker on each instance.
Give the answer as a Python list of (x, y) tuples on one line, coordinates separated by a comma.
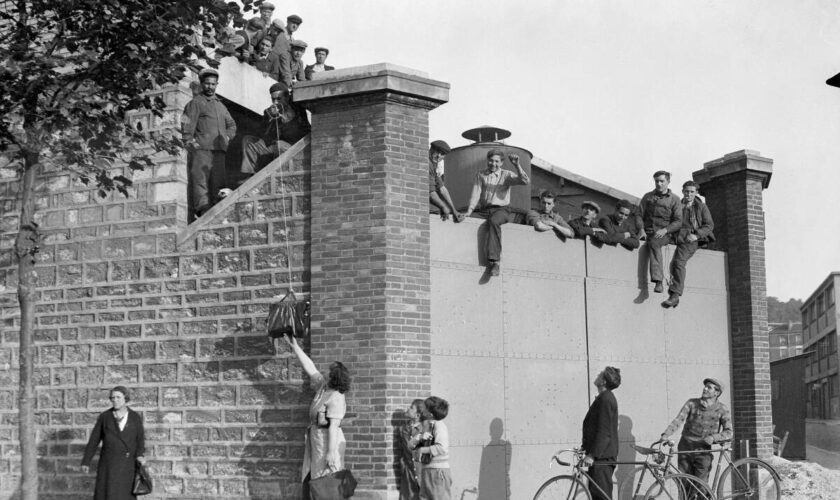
[(785, 340), (819, 326)]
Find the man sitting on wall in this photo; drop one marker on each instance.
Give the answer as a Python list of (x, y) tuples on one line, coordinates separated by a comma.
[(696, 230), (320, 63), (438, 194), (284, 125), (620, 227), (547, 219), (661, 215), (491, 196), (587, 223), (296, 66), (267, 61)]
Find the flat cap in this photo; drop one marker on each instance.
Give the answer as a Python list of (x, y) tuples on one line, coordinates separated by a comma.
[(298, 44), (207, 72), (267, 6), (294, 18), (715, 382), (441, 146), (322, 49), (592, 204), (256, 23), (278, 24)]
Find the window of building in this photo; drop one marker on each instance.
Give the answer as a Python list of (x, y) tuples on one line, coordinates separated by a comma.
[(829, 296), (820, 304), (812, 312)]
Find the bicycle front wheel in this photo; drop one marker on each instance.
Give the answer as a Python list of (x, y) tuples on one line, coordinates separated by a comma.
[(634, 484), (749, 478), (679, 487), (563, 488)]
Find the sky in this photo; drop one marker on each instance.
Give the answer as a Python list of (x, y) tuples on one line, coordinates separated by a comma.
[(615, 90)]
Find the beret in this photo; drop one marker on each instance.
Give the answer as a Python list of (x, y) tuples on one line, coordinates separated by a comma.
[(441, 146)]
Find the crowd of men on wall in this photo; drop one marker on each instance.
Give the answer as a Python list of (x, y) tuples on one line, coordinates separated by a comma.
[(661, 218), (268, 44)]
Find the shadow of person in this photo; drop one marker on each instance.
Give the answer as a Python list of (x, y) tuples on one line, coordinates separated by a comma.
[(398, 419), (625, 452), (494, 471), (642, 275)]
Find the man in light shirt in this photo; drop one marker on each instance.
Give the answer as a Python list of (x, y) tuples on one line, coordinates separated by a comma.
[(491, 197), (320, 65)]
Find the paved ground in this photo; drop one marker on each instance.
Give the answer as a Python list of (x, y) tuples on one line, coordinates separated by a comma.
[(823, 442)]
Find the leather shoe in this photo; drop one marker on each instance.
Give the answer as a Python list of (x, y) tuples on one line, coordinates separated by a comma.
[(658, 288), (494, 268), (673, 301)]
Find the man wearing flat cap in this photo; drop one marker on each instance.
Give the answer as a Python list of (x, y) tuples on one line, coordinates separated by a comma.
[(438, 194), (207, 129), (283, 125), (587, 223), (321, 54), (283, 48), (706, 421), (296, 66), (491, 197)]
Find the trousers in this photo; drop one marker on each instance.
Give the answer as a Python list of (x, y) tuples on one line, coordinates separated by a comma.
[(684, 252), (696, 464), (207, 177), (602, 475), (654, 246), (496, 216), (255, 151)]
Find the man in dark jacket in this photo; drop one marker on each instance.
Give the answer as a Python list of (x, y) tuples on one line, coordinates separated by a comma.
[(696, 230), (321, 54), (661, 215), (620, 227), (284, 125), (587, 223), (207, 129), (600, 434)]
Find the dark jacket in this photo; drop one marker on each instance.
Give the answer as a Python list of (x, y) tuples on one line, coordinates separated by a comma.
[(269, 65), (600, 427), (207, 121), (615, 231), (659, 211), (115, 471), (290, 118), (578, 225), (307, 71), (696, 219)]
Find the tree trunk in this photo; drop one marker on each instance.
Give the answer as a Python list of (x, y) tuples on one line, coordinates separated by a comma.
[(26, 247)]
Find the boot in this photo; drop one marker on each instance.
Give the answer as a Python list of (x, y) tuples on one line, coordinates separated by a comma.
[(673, 301)]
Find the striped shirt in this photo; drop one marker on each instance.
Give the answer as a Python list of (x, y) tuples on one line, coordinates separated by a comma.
[(702, 419)]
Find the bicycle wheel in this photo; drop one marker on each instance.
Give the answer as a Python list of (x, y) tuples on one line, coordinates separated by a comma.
[(633, 485), (563, 488), (679, 487), (749, 478)]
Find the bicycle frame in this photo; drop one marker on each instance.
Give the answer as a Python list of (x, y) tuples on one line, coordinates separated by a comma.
[(578, 469)]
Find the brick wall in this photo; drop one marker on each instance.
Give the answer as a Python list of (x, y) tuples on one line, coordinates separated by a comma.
[(733, 188), (129, 295)]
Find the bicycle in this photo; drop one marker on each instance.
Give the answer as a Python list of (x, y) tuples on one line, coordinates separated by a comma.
[(745, 478), (676, 486)]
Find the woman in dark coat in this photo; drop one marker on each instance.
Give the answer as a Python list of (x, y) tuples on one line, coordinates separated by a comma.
[(120, 430)]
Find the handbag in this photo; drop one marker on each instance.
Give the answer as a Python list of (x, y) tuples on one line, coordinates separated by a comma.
[(142, 481), (334, 486)]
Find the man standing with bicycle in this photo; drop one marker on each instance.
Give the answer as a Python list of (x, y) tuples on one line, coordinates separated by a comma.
[(600, 434), (707, 421)]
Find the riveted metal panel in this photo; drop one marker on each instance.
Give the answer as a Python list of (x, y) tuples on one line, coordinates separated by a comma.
[(616, 263), (469, 323), (698, 330), (706, 269), (531, 466), (542, 316), (526, 249)]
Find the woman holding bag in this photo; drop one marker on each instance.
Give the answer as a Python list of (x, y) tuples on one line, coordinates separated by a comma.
[(324, 442)]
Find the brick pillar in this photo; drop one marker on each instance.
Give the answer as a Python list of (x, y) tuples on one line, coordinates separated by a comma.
[(733, 188), (370, 249)]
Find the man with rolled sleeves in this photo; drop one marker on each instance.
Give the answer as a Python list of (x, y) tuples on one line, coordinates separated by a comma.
[(707, 421), (620, 226), (587, 223), (661, 216), (438, 194), (546, 219), (696, 231), (207, 129), (320, 65), (491, 196)]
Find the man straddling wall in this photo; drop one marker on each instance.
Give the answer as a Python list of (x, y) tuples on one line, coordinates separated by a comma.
[(661, 215), (207, 129), (706, 421), (491, 195), (696, 230)]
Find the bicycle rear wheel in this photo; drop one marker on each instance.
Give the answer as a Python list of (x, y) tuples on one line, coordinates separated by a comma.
[(563, 488), (633, 485), (679, 487), (749, 478)]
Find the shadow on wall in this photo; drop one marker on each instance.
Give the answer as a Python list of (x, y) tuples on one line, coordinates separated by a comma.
[(495, 458), (625, 452)]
